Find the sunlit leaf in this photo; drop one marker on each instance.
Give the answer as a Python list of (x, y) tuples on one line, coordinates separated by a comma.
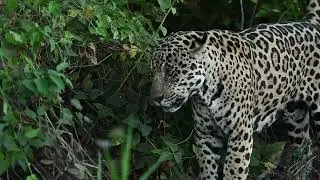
[(32, 177), (163, 30), (62, 66), (173, 10), (133, 51), (164, 4), (54, 8), (76, 103), (5, 107), (14, 38)]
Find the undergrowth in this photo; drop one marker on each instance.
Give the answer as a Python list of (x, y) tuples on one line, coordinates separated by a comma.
[(75, 85)]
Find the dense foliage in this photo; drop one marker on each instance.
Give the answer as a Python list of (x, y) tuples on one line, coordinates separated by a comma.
[(75, 84)]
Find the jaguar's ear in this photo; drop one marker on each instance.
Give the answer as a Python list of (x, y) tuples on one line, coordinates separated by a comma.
[(199, 39)]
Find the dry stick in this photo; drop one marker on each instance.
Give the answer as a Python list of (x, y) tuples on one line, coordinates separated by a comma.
[(144, 51), (311, 159)]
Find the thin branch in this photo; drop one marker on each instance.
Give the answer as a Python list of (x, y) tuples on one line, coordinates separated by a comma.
[(90, 65), (155, 147), (242, 15), (186, 138), (254, 13)]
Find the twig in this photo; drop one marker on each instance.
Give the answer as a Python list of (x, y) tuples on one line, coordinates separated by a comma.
[(89, 165), (151, 143), (144, 51), (310, 160), (242, 15), (89, 65), (253, 13), (186, 138)]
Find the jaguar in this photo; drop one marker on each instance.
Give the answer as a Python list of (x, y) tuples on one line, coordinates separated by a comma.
[(238, 83)]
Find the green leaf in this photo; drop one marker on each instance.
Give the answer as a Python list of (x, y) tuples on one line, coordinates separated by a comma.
[(115, 32), (9, 143), (4, 165), (2, 126), (133, 121), (145, 130), (54, 8), (30, 85), (9, 117), (254, 1), (20, 158), (170, 143), (165, 156), (76, 103), (5, 107), (31, 132), (14, 38), (56, 78), (68, 82), (30, 114), (87, 83), (87, 119), (254, 160), (62, 66), (12, 5), (174, 11), (164, 4), (32, 177), (79, 116), (144, 148), (42, 85), (27, 25), (66, 117), (116, 133), (41, 111), (163, 30)]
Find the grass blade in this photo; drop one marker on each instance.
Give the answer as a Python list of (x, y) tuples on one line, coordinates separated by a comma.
[(112, 167), (125, 156)]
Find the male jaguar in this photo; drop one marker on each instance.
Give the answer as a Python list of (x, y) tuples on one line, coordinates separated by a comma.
[(239, 83)]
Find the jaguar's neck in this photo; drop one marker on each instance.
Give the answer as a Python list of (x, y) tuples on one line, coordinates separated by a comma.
[(227, 62)]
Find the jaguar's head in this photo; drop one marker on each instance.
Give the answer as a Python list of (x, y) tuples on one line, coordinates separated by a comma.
[(178, 69)]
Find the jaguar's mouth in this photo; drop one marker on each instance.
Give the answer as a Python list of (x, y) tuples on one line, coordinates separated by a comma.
[(175, 105)]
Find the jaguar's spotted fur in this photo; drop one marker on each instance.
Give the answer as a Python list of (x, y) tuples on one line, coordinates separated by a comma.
[(239, 83)]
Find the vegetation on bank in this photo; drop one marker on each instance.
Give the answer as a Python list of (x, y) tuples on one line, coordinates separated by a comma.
[(75, 79)]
